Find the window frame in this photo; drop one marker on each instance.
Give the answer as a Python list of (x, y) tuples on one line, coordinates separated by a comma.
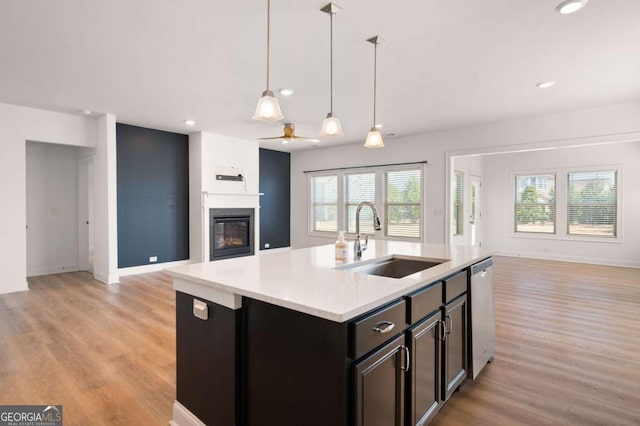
[(562, 198), (568, 203), (379, 201), (311, 204), (516, 203), (458, 206)]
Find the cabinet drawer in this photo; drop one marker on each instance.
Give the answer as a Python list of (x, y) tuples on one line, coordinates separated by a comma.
[(454, 286), (373, 330), (424, 301)]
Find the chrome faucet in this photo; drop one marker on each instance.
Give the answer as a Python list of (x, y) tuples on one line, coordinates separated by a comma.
[(358, 247)]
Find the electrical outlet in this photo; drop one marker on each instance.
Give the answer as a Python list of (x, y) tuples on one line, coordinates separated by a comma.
[(153, 259), (267, 245)]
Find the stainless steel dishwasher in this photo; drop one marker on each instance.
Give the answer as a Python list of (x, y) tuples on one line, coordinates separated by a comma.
[(483, 325)]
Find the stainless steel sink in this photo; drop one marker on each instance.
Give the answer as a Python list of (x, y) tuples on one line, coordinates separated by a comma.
[(394, 267)]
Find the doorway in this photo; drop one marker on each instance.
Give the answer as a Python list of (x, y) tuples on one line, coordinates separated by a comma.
[(59, 208), (85, 213), (475, 210)]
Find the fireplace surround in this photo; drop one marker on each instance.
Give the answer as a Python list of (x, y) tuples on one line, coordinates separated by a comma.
[(231, 233)]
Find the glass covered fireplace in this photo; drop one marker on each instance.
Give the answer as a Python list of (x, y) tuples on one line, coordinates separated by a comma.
[(231, 233)]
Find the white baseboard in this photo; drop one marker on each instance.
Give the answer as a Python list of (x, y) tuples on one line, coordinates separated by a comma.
[(107, 279), (49, 270), (184, 417), (154, 267), (15, 288), (574, 259)]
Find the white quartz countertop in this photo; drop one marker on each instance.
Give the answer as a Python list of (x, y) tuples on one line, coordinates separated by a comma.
[(306, 280)]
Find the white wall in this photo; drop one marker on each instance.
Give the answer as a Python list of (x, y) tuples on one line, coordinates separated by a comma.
[(17, 125), (613, 123), (211, 154), (499, 209), (105, 265), (52, 208)]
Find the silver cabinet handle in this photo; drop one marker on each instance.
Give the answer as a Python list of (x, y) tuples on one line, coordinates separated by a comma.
[(448, 317), (383, 327), (408, 357), (442, 335)]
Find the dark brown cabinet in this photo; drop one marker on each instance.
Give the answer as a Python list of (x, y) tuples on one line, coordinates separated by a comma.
[(454, 359), (380, 385), (267, 365), (424, 375)]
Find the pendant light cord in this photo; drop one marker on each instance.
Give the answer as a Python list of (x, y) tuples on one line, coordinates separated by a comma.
[(331, 61), (375, 79), (268, 37)]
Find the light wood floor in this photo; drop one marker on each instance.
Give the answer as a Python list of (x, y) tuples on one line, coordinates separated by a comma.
[(106, 353), (568, 348)]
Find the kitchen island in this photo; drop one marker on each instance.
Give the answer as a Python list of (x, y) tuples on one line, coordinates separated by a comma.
[(296, 338)]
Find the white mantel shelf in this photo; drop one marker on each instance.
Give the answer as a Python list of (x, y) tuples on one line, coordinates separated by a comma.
[(306, 280)]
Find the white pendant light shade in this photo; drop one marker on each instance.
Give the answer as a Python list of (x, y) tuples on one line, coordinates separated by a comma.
[(374, 139), (268, 108), (331, 126)]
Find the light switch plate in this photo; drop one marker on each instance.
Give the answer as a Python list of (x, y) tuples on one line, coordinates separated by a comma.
[(200, 309)]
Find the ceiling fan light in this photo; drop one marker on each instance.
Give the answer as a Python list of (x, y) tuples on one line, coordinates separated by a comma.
[(331, 126), (268, 108), (374, 139)]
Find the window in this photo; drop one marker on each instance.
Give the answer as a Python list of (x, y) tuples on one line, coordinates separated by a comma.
[(324, 200), (458, 223), (402, 203), (535, 204), (592, 206), (358, 188), (395, 191)]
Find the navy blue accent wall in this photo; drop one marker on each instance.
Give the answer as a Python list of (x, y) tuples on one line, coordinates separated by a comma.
[(275, 204), (153, 195)]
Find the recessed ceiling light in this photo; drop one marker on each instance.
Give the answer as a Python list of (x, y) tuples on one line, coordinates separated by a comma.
[(570, 6), (287, 92), (545, 84), (189, 122), (378, 126), (86, 112)]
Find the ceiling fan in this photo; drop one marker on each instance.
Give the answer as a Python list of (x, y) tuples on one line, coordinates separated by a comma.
[(289, 135)]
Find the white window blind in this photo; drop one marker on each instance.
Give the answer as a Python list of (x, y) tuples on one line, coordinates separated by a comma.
[(535, 203), (324, 203), (358, 188), (402, 203), (592, 207), (458, 224)]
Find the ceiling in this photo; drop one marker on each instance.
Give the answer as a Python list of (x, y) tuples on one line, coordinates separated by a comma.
[(443, 64)]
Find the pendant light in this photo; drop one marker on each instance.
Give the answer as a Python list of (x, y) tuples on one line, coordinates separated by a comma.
[(268, 108), (374, 138), (331, 125)]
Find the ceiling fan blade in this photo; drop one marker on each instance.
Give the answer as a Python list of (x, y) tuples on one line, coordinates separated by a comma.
[(272, 139), (305, 139)]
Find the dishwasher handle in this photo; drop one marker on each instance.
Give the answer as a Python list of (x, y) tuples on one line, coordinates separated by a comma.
[(481, 267)]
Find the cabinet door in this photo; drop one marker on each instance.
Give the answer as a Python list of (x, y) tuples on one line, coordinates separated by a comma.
[(455, 345), (424, 374), (207, 354), (380, 386)]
